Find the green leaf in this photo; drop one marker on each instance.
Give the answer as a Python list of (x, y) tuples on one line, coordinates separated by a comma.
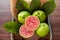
[(12, 27), (49, 7), (22, 5), (35, 5)]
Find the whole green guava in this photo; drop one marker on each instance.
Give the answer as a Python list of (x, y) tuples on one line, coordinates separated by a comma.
[(22, 15), (40, 14), (43, 30)]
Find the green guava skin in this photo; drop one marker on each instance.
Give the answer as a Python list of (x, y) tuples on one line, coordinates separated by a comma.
[(22, 15), (43, 30), (40, 14)]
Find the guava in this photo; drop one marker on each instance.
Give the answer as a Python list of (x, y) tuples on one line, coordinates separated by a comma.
[(23, 32), (49, 7), (40, 14), (22, 5), (22, 15), (43, 30), (32, 23), (12, 27)]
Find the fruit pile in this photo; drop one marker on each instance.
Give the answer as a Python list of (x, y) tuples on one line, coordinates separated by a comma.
[(31, 18), (32, 24)]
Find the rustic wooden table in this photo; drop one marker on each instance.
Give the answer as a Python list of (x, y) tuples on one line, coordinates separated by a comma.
[(5, 16)]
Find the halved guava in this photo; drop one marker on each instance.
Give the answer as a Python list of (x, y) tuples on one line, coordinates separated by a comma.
[(24, 32), (32, 23)]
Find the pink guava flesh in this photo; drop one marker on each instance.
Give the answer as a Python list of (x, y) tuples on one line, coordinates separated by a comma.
[(24, 32), (32, 23)]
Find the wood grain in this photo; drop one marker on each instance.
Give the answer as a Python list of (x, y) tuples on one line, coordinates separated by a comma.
[(5, 16)]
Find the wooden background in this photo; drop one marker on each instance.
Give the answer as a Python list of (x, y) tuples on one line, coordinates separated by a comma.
[(5, 16)]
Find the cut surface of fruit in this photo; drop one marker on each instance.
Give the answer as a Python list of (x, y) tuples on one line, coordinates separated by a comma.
[(32, 23), (24, 32)]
